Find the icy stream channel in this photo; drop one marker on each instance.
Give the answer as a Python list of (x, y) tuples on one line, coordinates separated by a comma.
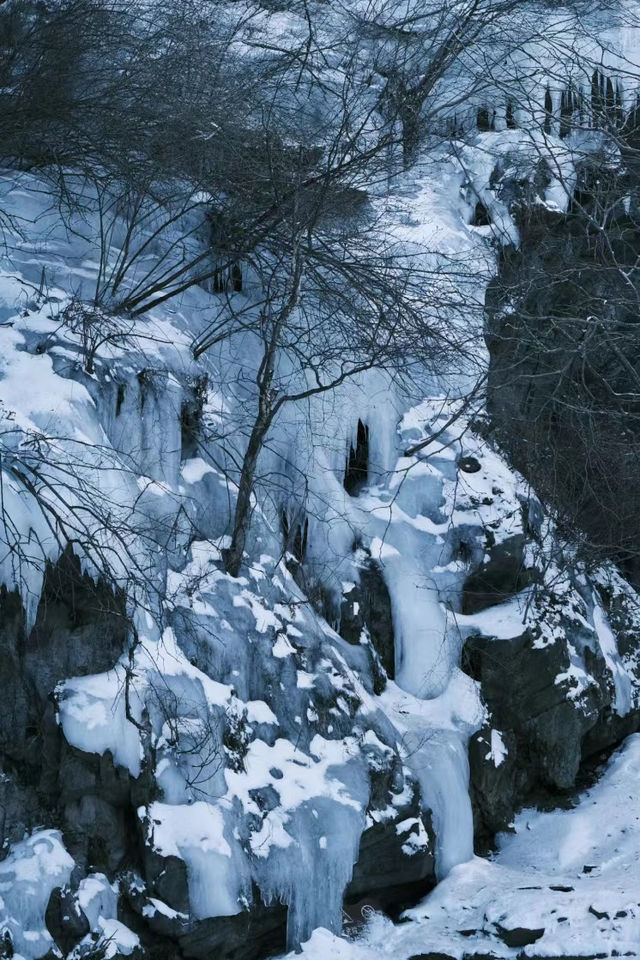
[(434, 705)]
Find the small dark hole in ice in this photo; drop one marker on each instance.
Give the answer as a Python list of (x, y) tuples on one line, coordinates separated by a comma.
[(481, 216), (357, 467)]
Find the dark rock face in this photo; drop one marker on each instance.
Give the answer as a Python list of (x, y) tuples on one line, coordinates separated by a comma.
[(560, 314), (495, 790), (262, 932), (65, 920), (552, 699), (367, 607), (519, 684), (19, 808), (73, 613), (519, 936), (394, 868), (501, 576), (432, 956)]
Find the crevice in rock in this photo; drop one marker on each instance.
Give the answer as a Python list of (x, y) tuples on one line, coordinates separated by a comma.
[(485, 119), (295, 534), (120, 398), (357, 468), (191, 417)]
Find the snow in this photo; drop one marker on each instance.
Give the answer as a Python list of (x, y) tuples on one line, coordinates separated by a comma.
[(504, 621), (195, 469), (92, 714), (573, 874), (498, 752), (119, 940)]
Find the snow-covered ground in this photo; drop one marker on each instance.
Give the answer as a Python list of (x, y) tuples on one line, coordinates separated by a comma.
[(565, 883)]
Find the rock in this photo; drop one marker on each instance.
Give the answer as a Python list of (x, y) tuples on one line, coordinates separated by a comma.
[(97, 833), (396, 864), (65, 920), (501, 576), (166, 879), (519, 936), (432, 956), (80, 629), (19, 811), (518, 682), (257, 933), (494, 788), (583, 956), (480, 956), (367, 607), (551, 695), (600, 914), (394, 876), (469, 465)]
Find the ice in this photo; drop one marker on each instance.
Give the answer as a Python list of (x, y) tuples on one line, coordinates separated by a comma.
[(195, 834), (439, 759), (434, 736), (97, 898), (313, 885), (609, 648), (419, 628), (28, 875)]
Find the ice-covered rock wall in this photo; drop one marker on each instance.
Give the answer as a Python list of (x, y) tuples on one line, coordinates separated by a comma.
[(222, 755)]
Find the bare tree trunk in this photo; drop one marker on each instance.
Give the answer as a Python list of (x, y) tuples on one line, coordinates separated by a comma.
[(261, 425), (268, 406), (242, 518)]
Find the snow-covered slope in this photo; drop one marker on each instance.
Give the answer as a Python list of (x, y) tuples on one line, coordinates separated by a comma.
[(565, 883)]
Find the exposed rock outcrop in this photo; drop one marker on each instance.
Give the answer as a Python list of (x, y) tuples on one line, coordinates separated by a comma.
[(106, 810), (556, 695)]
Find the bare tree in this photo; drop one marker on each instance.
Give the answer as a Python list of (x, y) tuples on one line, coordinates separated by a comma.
[(563, 334), (334, 297)]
